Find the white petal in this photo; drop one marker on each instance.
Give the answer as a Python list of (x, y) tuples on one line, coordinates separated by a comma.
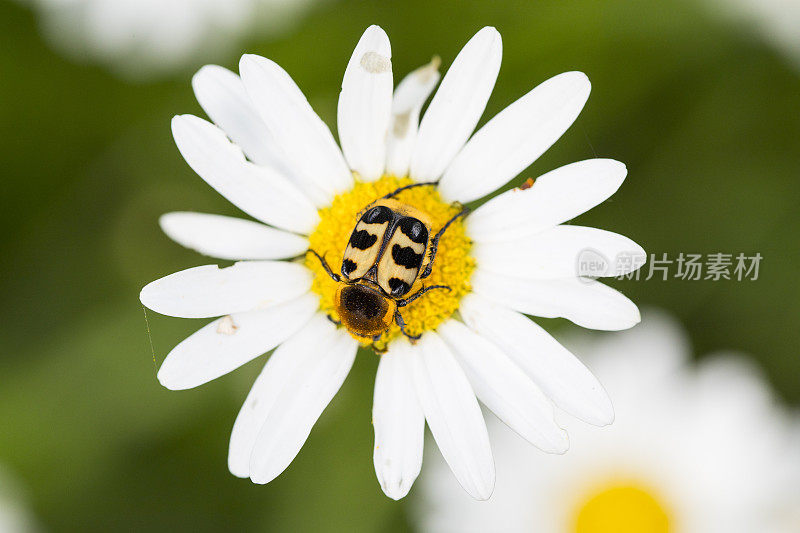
[(457, 105), (208, 291), (554, 198), (231, 238), (586, 302), (398, 421), (365, 104), (409, 97), (229, 342), (562, 377), (516, 137), (258, 191), (222, 95), (504, 388), (304, 139), (325, 356), (453, 415), (558, 253), (283, 365)]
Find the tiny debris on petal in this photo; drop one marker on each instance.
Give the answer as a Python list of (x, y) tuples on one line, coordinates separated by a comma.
[(226, 326), (526, 185), (375, 63), (401, 124), (426, 72)]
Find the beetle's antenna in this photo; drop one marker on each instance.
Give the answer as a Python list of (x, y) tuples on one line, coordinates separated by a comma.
[(435, 242), (398, 318), (404, 302), (334, 277), (405, 187)]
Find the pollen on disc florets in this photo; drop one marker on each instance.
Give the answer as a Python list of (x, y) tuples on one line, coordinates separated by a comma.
[(453, 265)]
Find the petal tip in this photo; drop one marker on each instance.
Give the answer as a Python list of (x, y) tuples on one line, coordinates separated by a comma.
[(489, 31), (374, 29), (165, 221), (168, 382), (250, 61), (206, 70), (637, 315), (396, 490), (237, 470), (606, 418), (560, 446), (483, 493)]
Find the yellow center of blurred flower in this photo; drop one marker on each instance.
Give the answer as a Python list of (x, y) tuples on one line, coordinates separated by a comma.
[(452, 267), (622, 508)]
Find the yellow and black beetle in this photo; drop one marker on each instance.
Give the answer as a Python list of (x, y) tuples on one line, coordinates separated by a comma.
[(383, 259)]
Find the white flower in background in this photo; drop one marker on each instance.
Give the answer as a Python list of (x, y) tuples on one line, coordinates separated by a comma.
[(699, 449), (776, 21), (142, 38), (271, 156), (14, 516)]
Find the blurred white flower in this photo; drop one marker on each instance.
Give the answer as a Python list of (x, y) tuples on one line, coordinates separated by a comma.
[(144, 38), (699, 449), (14, 517), (776, 21)]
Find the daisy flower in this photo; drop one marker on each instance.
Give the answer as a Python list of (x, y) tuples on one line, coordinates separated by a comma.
[(271, 155), (695, 448), (140, 38)]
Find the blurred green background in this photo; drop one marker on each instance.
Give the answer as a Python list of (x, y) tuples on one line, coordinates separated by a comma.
[(705, 114)]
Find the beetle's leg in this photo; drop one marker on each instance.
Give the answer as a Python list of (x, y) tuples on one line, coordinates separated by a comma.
[(398, 318), (435, 242), (405, 301), (334, 277), (401, 189)]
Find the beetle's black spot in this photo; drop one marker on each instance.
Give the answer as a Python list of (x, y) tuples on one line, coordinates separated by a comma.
[(414, 230), (362, 239), (377, 215), (398, 286), (348, 266), (406, 256)]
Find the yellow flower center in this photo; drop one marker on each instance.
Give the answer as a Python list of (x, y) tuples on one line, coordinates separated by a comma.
[(452, 267), (621, 508)]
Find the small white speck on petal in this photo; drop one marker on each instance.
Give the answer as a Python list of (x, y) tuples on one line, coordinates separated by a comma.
[(364, 109), (227, 326), (207, 354)]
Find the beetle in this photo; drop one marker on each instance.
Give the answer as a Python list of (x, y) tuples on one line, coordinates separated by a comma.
[(383, 259)]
